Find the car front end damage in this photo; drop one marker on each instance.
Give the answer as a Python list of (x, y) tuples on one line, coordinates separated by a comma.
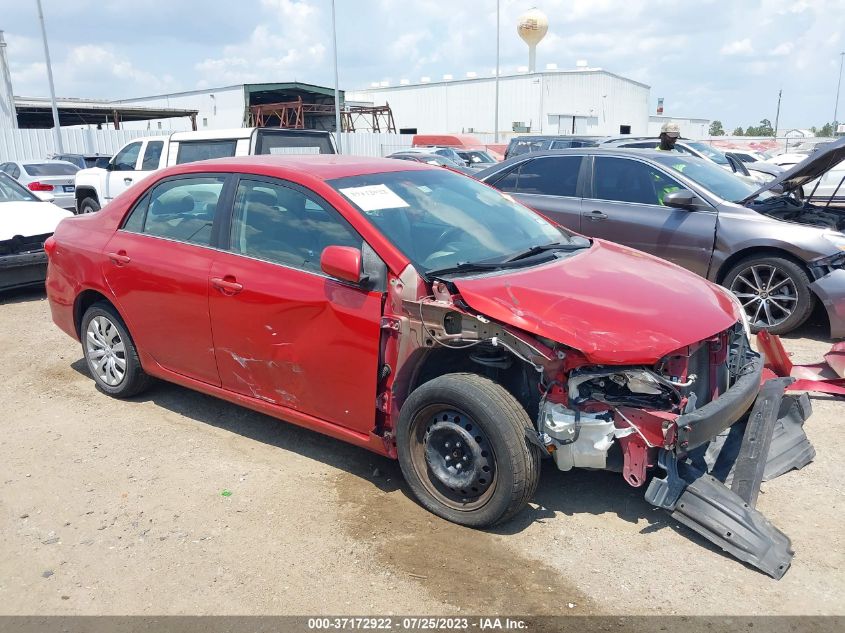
[(23, 261), (695, 430)]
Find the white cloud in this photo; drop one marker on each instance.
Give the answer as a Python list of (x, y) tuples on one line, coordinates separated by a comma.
[(739, 47), (82, 71), (783, 49), (289, 42)]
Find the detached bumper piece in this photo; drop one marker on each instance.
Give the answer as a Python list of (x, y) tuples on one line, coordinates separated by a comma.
[(825, 377), (694, 489)]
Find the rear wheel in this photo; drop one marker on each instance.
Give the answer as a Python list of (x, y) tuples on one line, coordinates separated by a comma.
[(89, 205), (110, 352), (463, 450), (774, 292)]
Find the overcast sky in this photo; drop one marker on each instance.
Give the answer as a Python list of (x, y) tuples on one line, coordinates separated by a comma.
[(709, 58)]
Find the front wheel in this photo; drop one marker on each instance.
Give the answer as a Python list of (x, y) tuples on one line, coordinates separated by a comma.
[(463, 450), (774, 292)]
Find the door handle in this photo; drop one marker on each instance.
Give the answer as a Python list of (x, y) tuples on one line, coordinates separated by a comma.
[(227, 285), (597, 215), (119, 258), (127, 181)]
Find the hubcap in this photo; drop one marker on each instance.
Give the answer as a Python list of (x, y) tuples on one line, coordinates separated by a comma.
[(105, 351), (768, 295)]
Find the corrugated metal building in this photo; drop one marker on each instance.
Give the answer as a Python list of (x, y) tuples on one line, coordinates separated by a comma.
[(583, 101), (229, 106)]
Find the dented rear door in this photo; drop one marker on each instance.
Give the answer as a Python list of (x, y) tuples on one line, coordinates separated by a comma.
[(284, 332)]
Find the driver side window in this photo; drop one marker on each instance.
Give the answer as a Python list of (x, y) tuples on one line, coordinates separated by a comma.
[(623, 180), (127, 158)]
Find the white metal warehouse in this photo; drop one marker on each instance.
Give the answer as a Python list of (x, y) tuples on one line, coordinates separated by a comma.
[(582, 101)]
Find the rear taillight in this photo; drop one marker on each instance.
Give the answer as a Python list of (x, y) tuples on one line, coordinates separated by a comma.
[(39, 186), (50, 246)]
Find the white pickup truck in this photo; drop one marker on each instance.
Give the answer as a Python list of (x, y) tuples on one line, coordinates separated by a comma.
[(139, 158)]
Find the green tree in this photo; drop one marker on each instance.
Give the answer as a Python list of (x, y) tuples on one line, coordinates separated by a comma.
[(738, 132), (826, 130), (716, 129)]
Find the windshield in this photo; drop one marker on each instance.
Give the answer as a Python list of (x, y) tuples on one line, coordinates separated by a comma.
[(440, 219), (710, 152), (12, 191), (723, 183), (50, 169), (477, 157)]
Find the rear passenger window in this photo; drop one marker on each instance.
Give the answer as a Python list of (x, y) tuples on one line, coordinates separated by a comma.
[(550, 176), (192, 151), (182, 209), (284, 226)]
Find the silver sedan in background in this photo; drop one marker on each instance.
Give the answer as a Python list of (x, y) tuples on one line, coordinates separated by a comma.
[(54, 177)]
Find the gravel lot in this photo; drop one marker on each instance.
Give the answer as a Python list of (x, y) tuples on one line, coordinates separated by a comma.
[(116, 507)]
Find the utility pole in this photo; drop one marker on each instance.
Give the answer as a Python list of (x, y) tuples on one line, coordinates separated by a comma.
[(57, 129), (336, 90), (496, 107), (777, 114), (838, 85)]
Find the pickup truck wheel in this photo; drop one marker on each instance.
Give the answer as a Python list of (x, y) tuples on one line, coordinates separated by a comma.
[(775, 293), (88, 205), (110, 353), (463, 450)]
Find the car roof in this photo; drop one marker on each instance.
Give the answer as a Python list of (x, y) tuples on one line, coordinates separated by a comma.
[(585, 151), (321, 166), (555, 137), (43, 162)]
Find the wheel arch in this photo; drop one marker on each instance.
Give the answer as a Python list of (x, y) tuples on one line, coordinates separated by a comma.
[(85, 300), (86, 191), (519, 379), (761, 251)]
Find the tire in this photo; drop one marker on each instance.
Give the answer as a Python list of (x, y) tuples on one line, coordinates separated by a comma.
[(103, 331), (479, 424), (89, 205), (767, 310)]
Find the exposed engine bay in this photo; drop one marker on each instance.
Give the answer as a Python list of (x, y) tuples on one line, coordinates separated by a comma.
[(788, 209), (686, 416)]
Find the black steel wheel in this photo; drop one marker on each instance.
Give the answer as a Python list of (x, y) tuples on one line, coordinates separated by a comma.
[(463, 450)]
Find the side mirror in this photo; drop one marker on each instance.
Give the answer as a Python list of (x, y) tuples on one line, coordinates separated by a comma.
[(110, 166), (44, 196), (680, 199), (343, 262)]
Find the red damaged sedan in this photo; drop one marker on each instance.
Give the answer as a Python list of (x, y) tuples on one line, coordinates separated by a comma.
[(427, 317)]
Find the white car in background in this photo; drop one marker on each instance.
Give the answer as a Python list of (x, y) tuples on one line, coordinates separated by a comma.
[(27, 219), (55, 177)]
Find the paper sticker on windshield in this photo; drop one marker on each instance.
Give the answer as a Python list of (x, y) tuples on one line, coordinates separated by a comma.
[(373, 197)]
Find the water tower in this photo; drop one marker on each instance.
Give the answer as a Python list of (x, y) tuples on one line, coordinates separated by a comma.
[(532, 27)]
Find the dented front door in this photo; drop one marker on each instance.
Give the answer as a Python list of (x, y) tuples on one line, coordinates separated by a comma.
[(296, 339)]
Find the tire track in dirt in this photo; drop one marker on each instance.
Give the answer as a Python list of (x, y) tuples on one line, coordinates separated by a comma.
[(473, 570)]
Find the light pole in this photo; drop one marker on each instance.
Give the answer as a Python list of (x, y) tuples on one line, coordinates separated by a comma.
[(336, 90), (496, 106), (57, 130), (838, 85)]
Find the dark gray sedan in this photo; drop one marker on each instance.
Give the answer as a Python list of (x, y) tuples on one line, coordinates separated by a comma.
[(778, 253)]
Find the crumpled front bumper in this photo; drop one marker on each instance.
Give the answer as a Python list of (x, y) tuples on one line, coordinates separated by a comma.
[(713, 488)]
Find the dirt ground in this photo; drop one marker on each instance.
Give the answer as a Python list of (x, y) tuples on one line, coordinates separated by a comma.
[(117, 507)]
